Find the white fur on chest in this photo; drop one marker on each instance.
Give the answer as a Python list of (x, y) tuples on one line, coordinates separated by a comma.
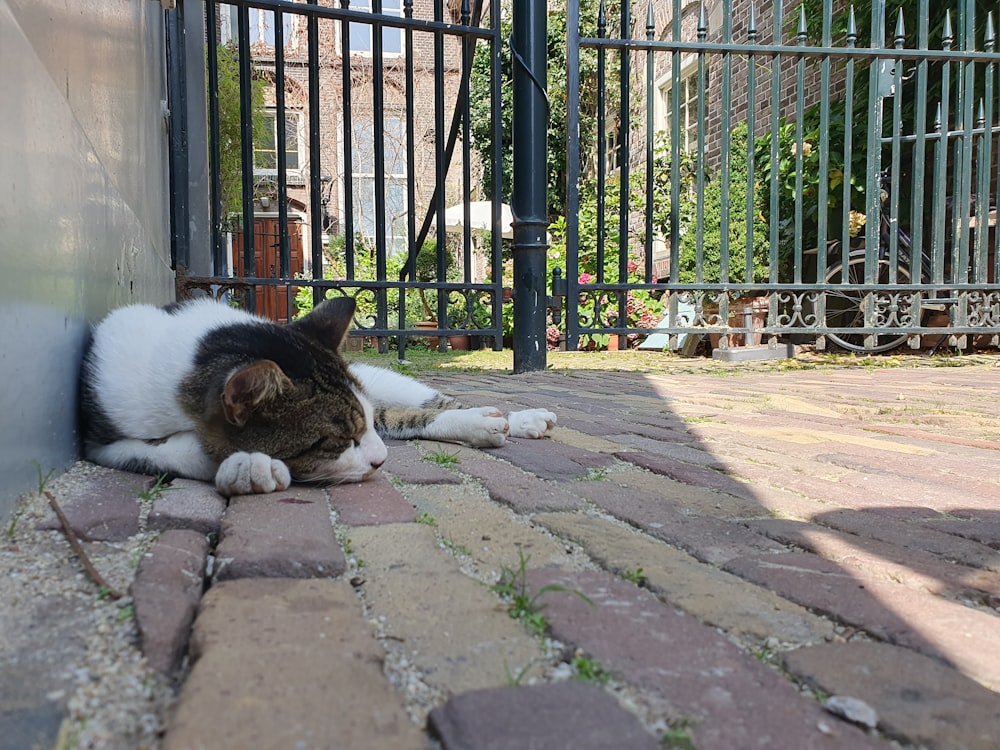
[(142, 353)]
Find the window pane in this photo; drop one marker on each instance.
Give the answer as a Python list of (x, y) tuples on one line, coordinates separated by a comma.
[(292, 141), (265, 153)]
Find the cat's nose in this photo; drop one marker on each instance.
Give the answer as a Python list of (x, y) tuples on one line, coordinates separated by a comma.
[(376, 464)]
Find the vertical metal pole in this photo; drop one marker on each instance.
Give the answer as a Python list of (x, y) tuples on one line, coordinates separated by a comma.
[(180, 248), (528, 199)]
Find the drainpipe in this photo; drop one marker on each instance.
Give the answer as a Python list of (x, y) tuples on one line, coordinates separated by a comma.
[(528, 195)]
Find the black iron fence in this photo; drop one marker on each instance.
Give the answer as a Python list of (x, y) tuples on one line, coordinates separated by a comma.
[(341, 158), (820, 173), (772, 175)]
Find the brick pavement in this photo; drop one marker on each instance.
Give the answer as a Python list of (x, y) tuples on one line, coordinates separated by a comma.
[(745, 544)]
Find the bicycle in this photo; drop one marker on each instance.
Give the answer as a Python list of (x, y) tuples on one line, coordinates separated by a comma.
[(845, 307)]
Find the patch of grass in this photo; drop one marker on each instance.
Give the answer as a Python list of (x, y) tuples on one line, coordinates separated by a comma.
[(125, 613), (678, 737), (454, 548), (42, 480), (426, 519), (441, 457), (515, 679), (160, 486), (523, 603), (590, 670), (636, 576), (696, 420), (593, 475)]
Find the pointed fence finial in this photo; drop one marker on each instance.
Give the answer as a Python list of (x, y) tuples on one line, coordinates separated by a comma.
[(900, 30), (852, 28), (948, 36), (752, 23), (991, 38), (802, 32)]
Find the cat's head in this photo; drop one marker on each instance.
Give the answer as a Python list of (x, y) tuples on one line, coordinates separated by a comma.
[(302, 405)]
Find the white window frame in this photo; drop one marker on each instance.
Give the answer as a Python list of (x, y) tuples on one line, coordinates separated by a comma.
[(261, 26), (299, 146), (689, 103), (363, 167), (365, 6)]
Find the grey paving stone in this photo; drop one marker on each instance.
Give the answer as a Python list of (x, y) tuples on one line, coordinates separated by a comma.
[(711, 540), (548, 459), (912, 567), (407, 463), (711, 595), (563, 716), (281, 535), (888, 610), (281, 664), (697, 476), (523, 492), (187, 504), (35, 726), (104, 507), (918, 699), (372, 502), (728, 698), (166, 592)]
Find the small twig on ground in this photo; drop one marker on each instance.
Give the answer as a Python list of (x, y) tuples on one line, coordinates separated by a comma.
[(106, 590)]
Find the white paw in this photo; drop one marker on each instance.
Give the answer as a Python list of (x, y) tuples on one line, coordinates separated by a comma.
[(251, 473), (481, 427), (531, 423)]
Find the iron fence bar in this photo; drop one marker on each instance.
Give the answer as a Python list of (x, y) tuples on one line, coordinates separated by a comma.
[(800, 105), (702, 32), (347, 141), (496, 105), (726, 156), (411, 182), (966, 78), (919, 147), (281, 144), (675, 151), (897, 118), (986, 160), (824, 152), (777, 21), (219, 253), (246, 148), (573, 22), (778, 50), (315, 159), (751, 152), (650, 138), (441, 164), (378, 118), (528, 201), (624, 119), (180, 241), (845, 229)]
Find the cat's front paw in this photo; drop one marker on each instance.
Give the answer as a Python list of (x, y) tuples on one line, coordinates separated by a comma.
[(531, 423), (250, 474)]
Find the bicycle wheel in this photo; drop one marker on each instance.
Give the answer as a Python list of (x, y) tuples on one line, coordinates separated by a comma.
[(845, 308)]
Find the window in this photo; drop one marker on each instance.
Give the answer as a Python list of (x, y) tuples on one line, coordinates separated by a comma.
[(265, 150), (361, 33), (363, 148), (261, 27), (687, 106)]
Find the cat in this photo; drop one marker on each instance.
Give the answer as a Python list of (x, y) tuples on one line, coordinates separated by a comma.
[(202, 390)]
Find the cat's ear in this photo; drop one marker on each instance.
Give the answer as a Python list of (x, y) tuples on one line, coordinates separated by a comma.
[(329, 322), (251, 386)]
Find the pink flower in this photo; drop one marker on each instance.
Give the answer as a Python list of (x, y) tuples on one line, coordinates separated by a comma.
[(585, 278), (632, 266)]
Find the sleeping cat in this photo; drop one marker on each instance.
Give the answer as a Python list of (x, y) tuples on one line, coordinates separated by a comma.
[(202, 390)]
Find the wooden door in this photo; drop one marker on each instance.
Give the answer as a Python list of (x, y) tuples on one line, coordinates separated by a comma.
[(274, 302)]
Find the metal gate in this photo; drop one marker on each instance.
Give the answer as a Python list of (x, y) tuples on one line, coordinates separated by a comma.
[(823, 174), (344, 129)]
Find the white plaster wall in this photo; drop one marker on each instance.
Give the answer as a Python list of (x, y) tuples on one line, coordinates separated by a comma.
[(83, 206)]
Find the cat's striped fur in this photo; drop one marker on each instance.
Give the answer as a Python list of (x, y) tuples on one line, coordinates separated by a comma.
[(205, 391)]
